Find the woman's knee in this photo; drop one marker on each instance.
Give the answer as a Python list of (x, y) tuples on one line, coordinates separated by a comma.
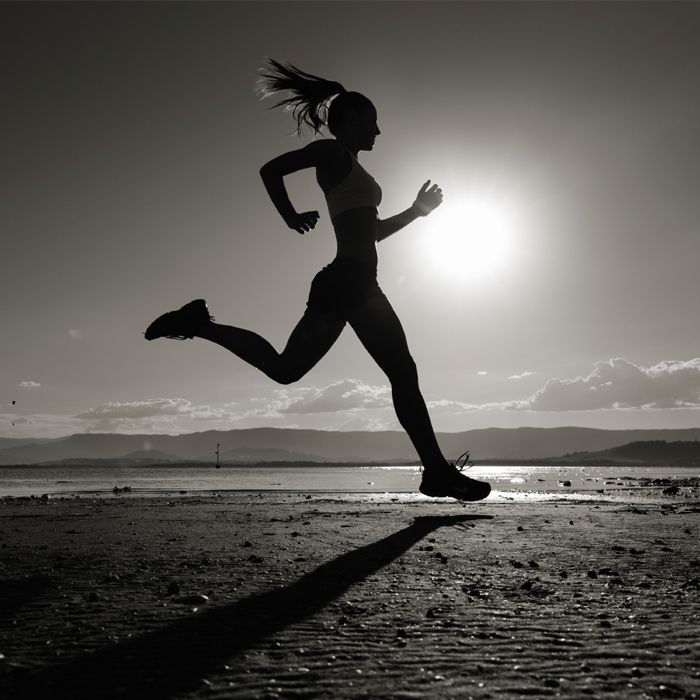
[(403, 372), (285, 374)]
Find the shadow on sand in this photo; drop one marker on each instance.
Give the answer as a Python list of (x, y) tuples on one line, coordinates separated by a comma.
[(174, 659), (14, 593)]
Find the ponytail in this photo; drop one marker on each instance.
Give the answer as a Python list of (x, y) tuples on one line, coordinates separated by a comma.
[(310, 97)]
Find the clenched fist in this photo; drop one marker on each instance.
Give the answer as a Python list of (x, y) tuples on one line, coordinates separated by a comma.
[(303, 222)]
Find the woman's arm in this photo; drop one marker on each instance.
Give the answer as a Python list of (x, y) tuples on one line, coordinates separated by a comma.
[(426, 201), (385, 227), (273, 172)]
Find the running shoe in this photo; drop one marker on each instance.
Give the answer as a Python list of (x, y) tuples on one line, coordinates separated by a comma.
[(180, 324), (451, 482)]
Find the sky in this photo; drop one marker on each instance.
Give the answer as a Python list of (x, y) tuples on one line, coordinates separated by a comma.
[(556, 284)]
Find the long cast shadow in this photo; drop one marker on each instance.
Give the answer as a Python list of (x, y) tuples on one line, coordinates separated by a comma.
[(14, 593), (173, 660)]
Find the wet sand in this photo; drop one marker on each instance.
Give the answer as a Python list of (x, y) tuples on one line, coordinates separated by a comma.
[(365, 597)]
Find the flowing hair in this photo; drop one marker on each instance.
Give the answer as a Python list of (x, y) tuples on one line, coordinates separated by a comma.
[(311, 96)]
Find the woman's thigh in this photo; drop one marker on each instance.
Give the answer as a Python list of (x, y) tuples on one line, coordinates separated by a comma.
[(310, 340), (380, 331)]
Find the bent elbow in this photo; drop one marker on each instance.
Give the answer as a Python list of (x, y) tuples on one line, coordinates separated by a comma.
[(269, 172)]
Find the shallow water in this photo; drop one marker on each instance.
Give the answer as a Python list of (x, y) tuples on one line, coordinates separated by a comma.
[(508, 482)]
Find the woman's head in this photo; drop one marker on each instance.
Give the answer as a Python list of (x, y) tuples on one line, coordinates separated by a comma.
[(318, 102)]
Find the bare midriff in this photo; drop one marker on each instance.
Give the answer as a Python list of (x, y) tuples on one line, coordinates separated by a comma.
[(356, 234)]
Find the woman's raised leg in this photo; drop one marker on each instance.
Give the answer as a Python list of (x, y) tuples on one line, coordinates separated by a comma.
[(310, 340)]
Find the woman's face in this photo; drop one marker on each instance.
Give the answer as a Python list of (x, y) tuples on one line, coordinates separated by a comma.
[(364, 127)]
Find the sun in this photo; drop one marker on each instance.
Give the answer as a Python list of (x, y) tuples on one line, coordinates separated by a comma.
[(472, 238)]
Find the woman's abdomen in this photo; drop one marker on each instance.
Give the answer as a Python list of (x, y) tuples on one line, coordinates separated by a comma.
[(356, 234)]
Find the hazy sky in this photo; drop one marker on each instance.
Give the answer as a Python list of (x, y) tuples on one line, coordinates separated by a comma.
[(565, 133)]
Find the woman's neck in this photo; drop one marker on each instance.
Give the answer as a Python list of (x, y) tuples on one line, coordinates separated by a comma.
[(354, 150)]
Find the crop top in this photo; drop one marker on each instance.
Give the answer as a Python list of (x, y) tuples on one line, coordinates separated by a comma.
[(358, 189)]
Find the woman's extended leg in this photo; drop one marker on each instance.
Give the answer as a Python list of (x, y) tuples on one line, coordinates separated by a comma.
[(380, 331), (310, 340)]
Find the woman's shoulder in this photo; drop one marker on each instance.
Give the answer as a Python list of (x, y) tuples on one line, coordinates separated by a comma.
[(333, 163), (326, 149)]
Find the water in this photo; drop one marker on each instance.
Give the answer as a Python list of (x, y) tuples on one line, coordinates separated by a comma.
[(521, 483)]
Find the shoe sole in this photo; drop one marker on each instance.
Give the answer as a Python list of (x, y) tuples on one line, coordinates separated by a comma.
[(460, 497)]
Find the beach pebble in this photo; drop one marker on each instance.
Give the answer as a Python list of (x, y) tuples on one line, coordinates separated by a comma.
[(193, 599), (565, 483), (173, 588), (517, 564), (534, 564), (247, 543), (520, 528), (255, 559), (671, 491), (93, 596), (592, 574), (527, 585)]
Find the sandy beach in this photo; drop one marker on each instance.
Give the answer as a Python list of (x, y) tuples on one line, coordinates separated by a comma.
[(289, 595)]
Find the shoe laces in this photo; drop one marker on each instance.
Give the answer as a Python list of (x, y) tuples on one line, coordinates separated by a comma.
[(460, 464), (463, 462)]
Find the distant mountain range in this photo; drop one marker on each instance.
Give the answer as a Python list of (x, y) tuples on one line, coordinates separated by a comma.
[(650, 453), (287, 445)]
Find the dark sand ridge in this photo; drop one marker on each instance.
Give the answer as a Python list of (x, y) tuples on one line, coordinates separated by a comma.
[(320, 598)]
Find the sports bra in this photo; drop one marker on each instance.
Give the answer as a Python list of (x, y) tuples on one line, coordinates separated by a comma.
[(358, 189)]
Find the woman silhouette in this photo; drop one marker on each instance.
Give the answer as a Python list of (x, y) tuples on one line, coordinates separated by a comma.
[(346, 290)]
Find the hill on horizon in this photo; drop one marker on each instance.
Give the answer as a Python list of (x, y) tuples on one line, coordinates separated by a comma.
[(336, 446), (652, 452)]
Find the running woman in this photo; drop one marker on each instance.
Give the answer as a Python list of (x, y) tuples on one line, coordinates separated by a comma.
[(346, 290)]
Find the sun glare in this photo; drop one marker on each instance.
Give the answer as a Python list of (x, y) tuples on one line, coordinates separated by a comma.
[(471, 238)]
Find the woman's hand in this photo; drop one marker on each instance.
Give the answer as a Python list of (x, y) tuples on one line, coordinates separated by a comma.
[(428, 199), (303, 222)]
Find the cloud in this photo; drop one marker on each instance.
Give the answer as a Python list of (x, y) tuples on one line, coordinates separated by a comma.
[(522, 375), (76, 334), (620, 384), (152, 414), (29, 384), (347, 394), (139, 409), (482, 373), (449, 406)]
